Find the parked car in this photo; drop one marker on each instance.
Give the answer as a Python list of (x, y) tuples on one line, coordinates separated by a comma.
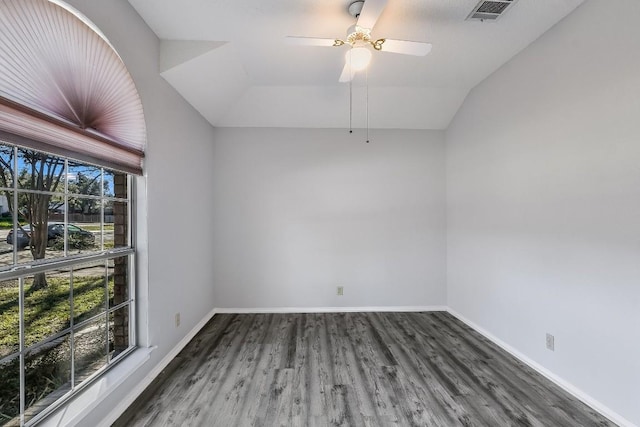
[(55, 231)]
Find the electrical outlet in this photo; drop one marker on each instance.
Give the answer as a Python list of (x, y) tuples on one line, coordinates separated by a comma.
[(340, 291), (177, 319), (550, 342)]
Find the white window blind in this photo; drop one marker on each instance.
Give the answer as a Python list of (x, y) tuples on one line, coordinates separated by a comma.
[(64, 89)]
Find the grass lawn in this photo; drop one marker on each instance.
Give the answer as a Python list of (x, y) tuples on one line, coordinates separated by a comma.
[(6, 223), (47, 312), (96, 227)]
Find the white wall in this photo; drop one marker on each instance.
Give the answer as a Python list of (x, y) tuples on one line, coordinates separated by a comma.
[(299, 212), (543, 195), (178, 176)]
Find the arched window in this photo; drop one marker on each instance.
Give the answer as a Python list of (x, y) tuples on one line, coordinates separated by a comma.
[(64, 89), (71, 134)]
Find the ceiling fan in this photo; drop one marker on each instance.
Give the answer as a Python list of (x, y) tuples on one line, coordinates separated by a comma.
[(359, 39)]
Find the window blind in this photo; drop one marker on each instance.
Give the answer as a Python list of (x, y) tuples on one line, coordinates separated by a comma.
[(64, 89)]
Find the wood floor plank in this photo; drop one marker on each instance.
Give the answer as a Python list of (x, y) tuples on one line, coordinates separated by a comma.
[(235, 388), (350, 369), (530, 389), (437, 387), (461, 381), (361, 371), (476, 379)]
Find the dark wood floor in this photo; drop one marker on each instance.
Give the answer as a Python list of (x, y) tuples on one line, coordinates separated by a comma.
[(350, 369)]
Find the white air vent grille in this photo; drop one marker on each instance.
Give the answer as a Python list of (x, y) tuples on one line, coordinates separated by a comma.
[(490, 10)]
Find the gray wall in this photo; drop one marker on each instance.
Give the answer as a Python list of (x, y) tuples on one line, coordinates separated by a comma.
[(543, 197), (299, 212)]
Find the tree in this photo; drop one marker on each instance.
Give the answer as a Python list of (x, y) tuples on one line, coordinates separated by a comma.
[(39, 174), (85, 184)]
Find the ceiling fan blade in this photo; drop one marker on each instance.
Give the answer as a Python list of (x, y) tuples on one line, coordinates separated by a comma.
[(312, 41), (370, 13), (347, 74), (406, 47)]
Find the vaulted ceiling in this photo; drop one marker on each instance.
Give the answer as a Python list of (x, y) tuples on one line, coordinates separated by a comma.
[(229, 59)]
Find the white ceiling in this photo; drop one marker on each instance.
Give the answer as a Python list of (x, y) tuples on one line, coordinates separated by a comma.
[(228, 59)]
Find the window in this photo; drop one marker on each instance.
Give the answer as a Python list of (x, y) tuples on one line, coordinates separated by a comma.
[(71, 129), (66, 282)]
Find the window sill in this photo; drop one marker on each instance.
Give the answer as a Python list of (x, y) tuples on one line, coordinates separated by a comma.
[(89, 398)]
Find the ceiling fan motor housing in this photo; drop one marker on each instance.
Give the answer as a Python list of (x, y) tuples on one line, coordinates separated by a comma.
[(357, 35)]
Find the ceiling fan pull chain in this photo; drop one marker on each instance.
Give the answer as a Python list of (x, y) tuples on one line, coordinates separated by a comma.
[(367, 100), (350, 100)]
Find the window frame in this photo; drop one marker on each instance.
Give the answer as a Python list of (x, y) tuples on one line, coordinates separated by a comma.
[(20, 271)]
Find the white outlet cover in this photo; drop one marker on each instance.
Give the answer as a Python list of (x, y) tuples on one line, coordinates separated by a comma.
[(550, 342)]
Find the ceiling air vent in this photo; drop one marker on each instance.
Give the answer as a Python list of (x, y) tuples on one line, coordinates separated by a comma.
[(489, 10)]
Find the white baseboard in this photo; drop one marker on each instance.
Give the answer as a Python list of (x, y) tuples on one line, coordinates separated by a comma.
[(565, 385), (142, 385), (330, 309)]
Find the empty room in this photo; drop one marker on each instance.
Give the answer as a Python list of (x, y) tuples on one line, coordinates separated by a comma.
[(304, 213)]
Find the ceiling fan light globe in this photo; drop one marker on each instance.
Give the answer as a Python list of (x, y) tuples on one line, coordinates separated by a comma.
[(358, 58)]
